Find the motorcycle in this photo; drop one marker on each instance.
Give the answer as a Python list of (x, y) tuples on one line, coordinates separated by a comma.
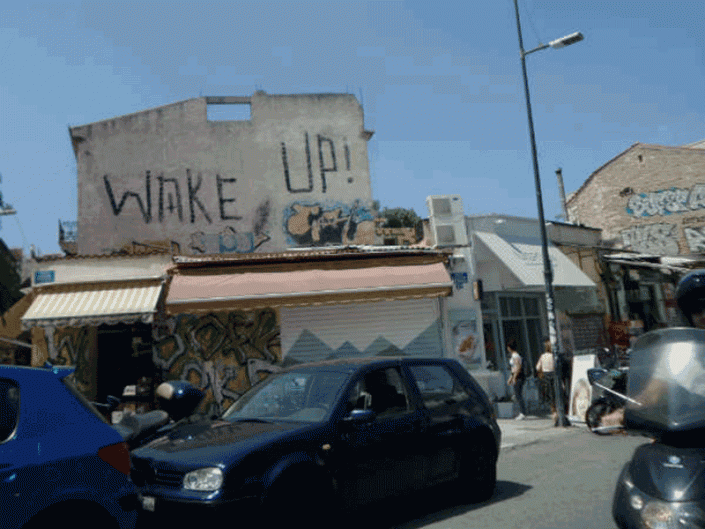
[(663, 485), (609, 395), (177, 400)]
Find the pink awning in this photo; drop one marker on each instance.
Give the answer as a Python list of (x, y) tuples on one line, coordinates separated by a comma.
[(189, 293)]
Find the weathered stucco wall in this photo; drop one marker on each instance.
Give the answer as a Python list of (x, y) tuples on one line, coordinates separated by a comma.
[(650, 199), (295, 174)]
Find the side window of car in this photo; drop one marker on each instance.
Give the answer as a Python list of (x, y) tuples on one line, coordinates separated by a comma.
[(438, 386), (382, 391), (9, 409)]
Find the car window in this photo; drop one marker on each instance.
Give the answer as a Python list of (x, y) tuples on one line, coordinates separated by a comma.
[(296, 396), (382, 391), (9, 409), (438, 385)]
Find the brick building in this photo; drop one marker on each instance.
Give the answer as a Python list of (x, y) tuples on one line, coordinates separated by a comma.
[(649, 202)]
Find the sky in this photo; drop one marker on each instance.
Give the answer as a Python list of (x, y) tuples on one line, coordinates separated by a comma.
[(440, 84)]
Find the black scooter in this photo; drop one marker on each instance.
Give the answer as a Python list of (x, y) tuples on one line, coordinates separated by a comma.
[(663, 485), (609, 395), (177, 400)]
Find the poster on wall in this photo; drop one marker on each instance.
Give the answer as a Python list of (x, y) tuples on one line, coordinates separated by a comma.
[(466, 342), (580, 388)]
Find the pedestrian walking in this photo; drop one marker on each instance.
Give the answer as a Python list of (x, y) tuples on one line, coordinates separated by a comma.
[(516, 379), (545, 369)]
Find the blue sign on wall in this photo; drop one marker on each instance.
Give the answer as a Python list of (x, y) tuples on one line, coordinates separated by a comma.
[(43, 276)]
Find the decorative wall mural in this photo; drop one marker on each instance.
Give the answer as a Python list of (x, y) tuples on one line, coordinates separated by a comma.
[(660, 239), (314, 224), (222, 353), (71, 348)]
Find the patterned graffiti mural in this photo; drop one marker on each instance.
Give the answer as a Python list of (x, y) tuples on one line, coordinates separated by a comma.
[(658, 238), (695, 238), (222, 353), (71, 347), (313, 224), (667, 201)]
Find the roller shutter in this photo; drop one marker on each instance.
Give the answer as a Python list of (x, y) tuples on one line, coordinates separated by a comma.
[(382, 328)]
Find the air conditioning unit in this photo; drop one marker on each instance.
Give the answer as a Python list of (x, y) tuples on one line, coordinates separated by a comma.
[(445, 206), (449, 234), (447, 220)]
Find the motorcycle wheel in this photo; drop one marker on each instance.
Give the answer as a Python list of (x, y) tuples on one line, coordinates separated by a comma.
[(594, 414)]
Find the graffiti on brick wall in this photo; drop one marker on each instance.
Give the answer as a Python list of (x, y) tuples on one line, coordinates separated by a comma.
[(183, 199), (660, 238), (222, 353), (667, 201), (328, 162), (71, 346), (313, 224), (695, 237), (230, 240)]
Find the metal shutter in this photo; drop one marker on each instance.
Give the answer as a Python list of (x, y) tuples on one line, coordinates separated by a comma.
[(381, 328)]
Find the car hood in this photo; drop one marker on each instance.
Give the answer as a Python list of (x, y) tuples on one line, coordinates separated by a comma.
[(218, 440)]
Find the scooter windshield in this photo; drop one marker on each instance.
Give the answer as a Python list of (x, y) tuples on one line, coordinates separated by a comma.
[(667, 381)]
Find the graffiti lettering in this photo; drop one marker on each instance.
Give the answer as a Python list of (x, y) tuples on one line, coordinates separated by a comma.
[(326, 161), (285, 162), (695, 238), (651, 238), (193, 199), (174, 198), (145, 206), (222, 201), (170, 200), (667, 201), (324, 169), (317, 225)]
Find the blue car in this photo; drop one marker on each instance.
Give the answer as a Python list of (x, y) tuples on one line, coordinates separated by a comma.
[(319, 439), (60, 461)]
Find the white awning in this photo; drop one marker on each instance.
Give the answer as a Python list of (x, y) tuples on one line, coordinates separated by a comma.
[(77, 305), (523, 258)]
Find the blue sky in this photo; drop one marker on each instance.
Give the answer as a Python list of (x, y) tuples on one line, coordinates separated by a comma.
[(440, 83)]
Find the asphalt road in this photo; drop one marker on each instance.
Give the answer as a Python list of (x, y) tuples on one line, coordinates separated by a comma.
[(564, 482)]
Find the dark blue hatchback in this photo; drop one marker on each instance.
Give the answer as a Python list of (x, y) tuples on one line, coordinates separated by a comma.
[(60, 462), (339, 433)]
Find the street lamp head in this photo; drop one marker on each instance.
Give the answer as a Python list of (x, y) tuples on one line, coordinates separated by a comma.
[(567, 40)]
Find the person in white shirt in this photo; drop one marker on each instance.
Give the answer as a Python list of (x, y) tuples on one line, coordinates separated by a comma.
[(545, 369), (516, 380)]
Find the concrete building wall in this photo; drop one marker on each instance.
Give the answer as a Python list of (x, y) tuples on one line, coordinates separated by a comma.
[(296, 173), (649, 199)]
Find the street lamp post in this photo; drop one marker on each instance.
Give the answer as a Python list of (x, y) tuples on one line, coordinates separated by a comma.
[(561, 419)]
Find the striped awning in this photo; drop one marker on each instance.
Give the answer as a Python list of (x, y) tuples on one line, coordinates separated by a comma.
[(94, 304)]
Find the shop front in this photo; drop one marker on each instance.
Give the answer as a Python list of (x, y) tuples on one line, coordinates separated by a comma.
[(230, 322), (509, 264)]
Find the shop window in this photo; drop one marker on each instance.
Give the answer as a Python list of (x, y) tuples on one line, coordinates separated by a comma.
[(531, 307), (510, 307)]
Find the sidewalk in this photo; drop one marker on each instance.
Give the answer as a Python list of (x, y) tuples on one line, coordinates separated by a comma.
[(531, 430)]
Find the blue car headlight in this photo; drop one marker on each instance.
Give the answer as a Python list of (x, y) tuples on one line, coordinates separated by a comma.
[(207, 479)]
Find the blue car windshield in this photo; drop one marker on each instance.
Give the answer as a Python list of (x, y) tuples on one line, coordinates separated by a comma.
[(302, 396)]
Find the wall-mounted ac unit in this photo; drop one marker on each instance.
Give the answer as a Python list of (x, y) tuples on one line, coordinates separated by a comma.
[(444, 206), (447, 220)]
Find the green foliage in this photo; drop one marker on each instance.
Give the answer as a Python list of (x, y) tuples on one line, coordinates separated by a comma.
[(400, 218)]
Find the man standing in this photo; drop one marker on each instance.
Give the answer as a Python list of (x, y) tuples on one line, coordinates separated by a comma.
[(516, 380)]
